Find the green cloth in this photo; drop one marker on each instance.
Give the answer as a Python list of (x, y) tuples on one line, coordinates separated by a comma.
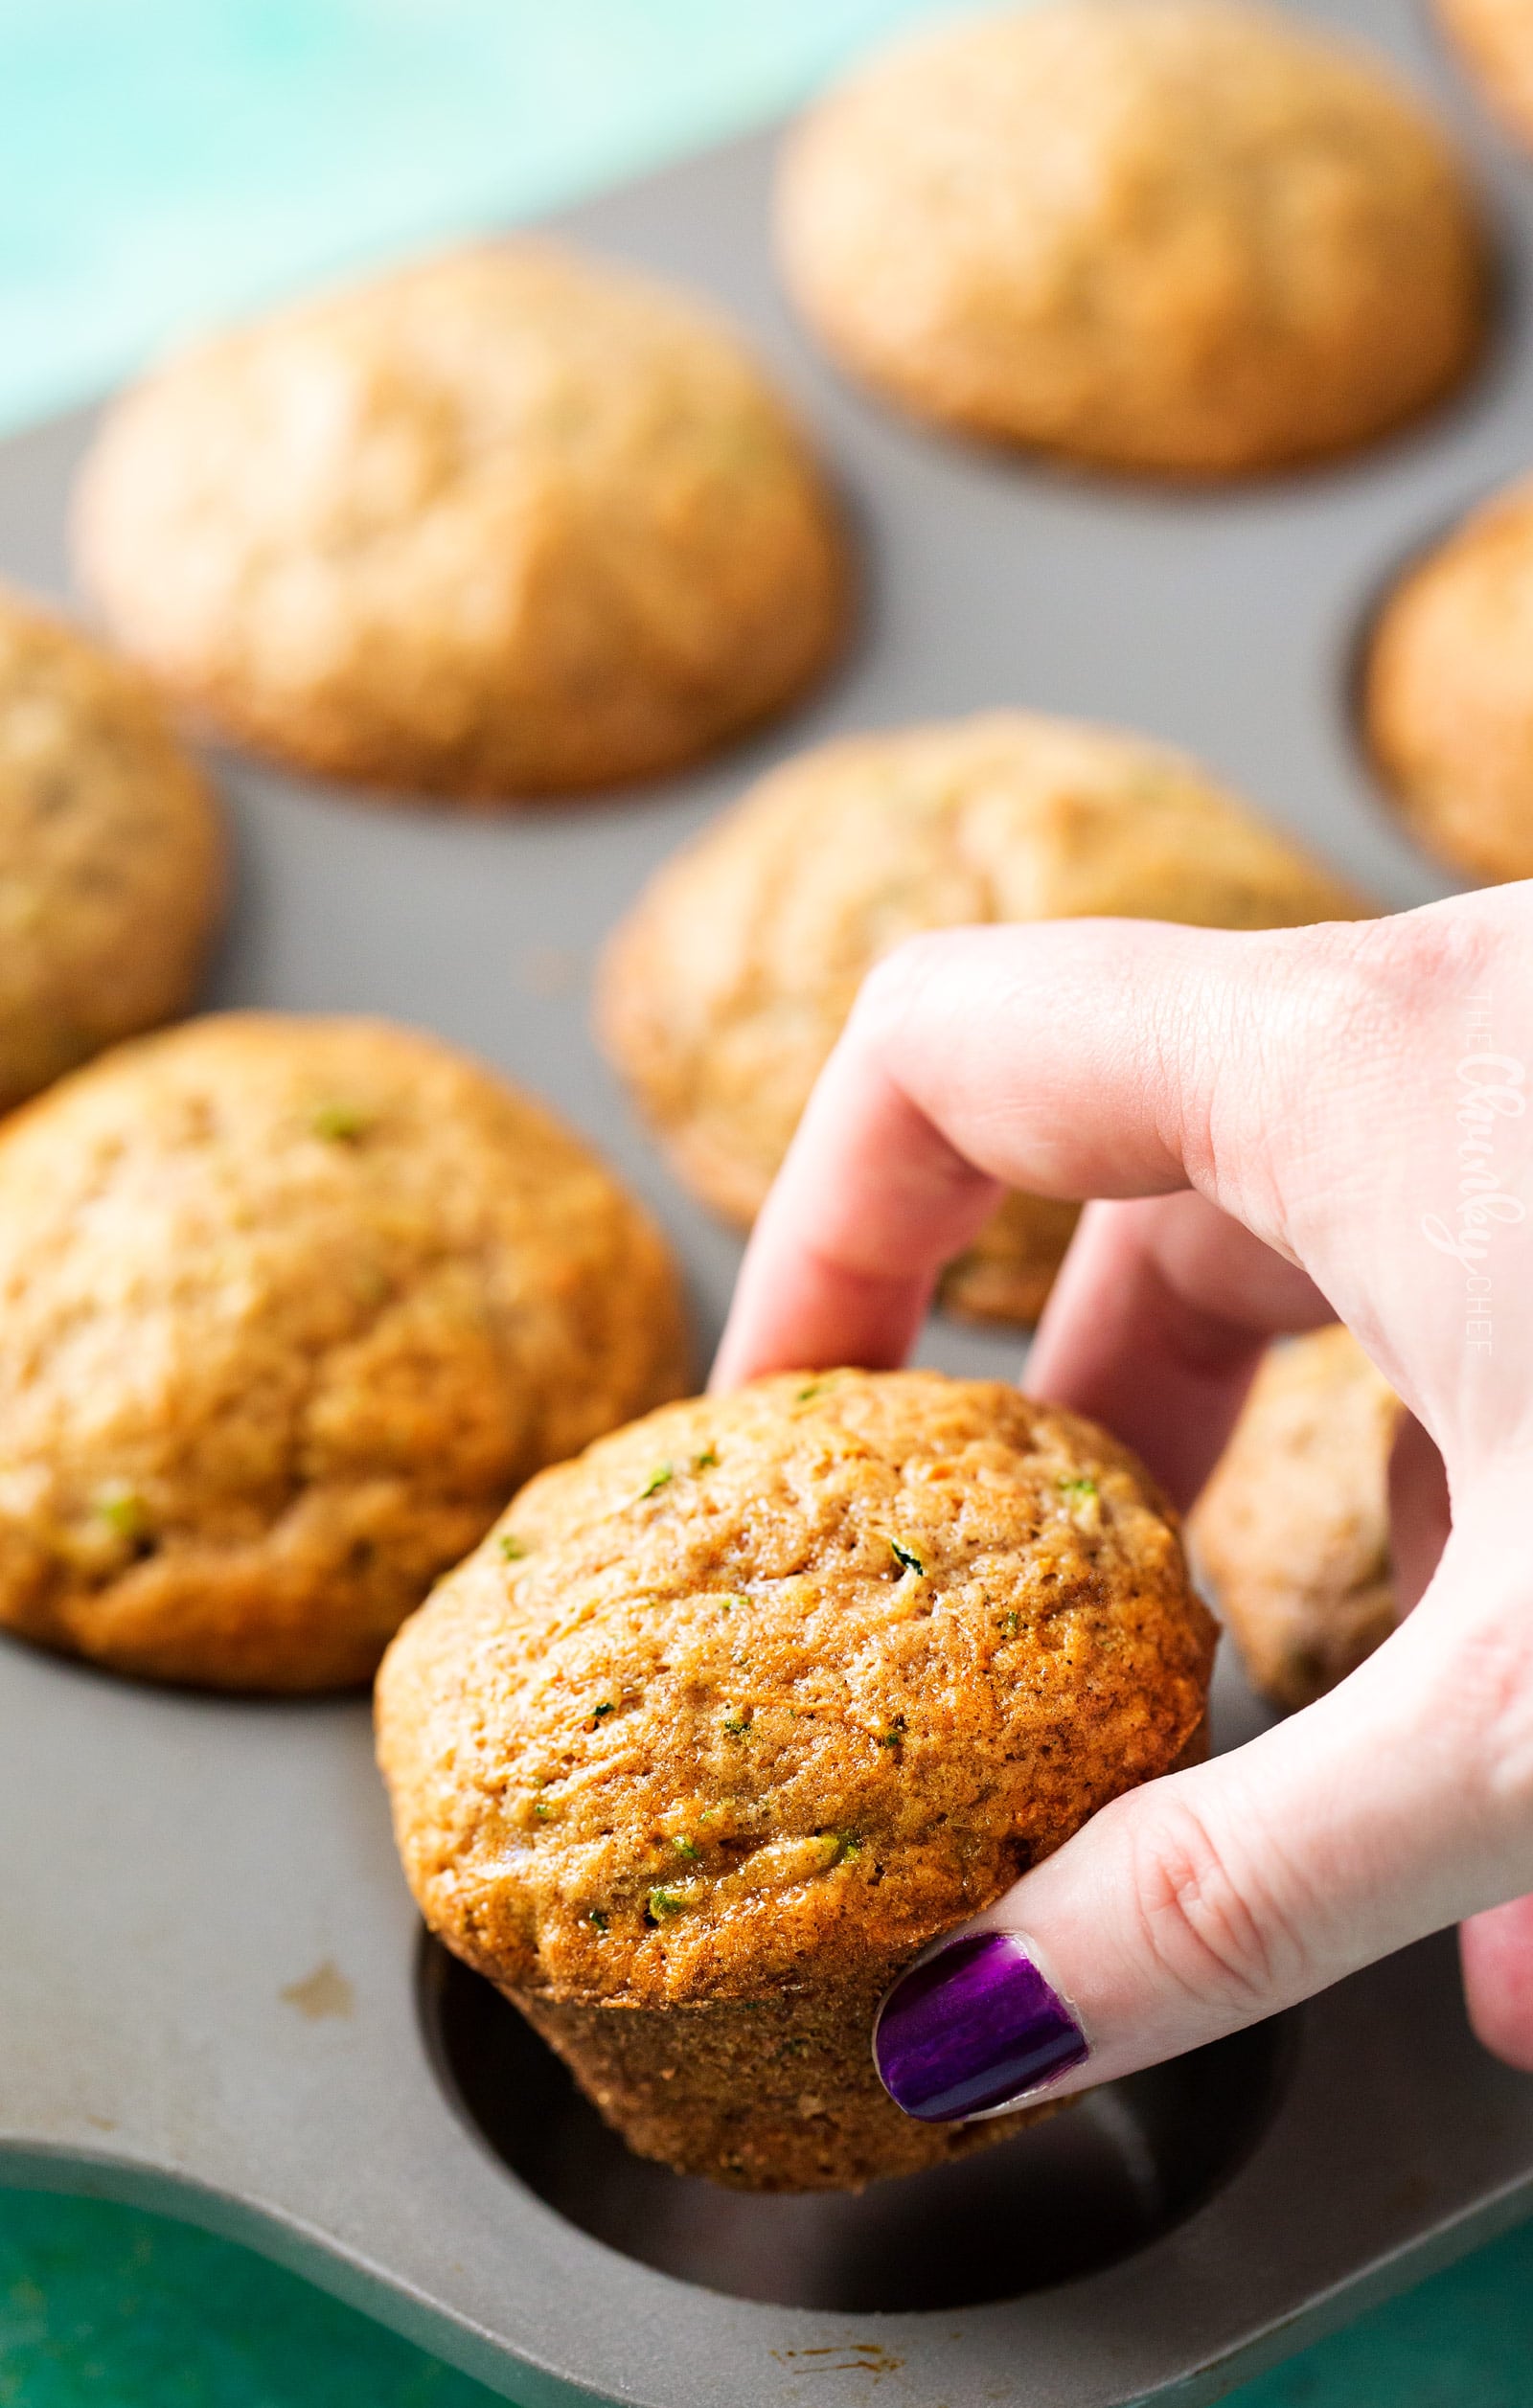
[(163, 162), (103, 2307)]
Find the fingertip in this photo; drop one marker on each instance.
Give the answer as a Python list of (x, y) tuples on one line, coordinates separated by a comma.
[(972, 2028), (809, 1315), (1496, 1951)]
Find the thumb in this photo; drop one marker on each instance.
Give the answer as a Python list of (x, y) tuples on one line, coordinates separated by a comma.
[(1215, 1896)]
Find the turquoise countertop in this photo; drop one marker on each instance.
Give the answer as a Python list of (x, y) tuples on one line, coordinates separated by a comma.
[(165, 163), (105, 2307), (162, 164)]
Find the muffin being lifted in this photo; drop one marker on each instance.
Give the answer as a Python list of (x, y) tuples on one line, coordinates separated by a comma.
[(725, 988), (725, 1720), (1184, 237), (507, 522), (287, 1310)]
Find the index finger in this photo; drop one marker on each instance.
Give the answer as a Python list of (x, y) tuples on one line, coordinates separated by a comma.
[(1070, 1058)]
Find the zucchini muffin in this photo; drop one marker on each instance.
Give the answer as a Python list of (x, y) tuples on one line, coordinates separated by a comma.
[(1292, 1530), (1495, 37), (1184, 236), (507, 522), (112, 865), (287, 1310), (724, 990), (725, 1720), (1448, 696)]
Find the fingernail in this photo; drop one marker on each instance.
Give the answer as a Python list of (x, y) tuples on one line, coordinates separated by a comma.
[(971, 2028)]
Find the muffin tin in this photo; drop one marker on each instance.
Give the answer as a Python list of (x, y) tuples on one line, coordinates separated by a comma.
[(214, 1993)]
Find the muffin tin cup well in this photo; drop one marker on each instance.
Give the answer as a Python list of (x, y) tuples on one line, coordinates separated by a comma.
[(778, 2091), (212, 1998), (1080, 2190)]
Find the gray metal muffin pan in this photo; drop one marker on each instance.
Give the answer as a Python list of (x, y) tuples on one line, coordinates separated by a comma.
[(214, 1993)]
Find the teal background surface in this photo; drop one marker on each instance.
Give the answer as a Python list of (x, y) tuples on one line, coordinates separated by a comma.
[(161, 164), (101, 2307), (164, 162)]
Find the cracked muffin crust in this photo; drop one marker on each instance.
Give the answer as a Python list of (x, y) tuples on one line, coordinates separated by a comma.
[(287, 1310), (1293, 1530), (1447, 698), (1173, 235), (727, 1718), (1495, 37), (723, 991), (509, 521), (111, 856)]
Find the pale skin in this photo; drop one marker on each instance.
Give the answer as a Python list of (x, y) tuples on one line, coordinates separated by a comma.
[(1278, 1117)]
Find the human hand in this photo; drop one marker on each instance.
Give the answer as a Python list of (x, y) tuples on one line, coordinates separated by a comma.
[(1298, 1124)]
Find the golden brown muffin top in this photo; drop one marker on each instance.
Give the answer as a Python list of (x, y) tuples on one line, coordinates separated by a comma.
[(1176, 235), (287, 1310), (1496, 39), (780, 1684), (505, 520), (725, 988), (1449, 697), (111, 857)]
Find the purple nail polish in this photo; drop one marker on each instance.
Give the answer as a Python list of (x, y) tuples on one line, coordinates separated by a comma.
[(971, 2028)]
